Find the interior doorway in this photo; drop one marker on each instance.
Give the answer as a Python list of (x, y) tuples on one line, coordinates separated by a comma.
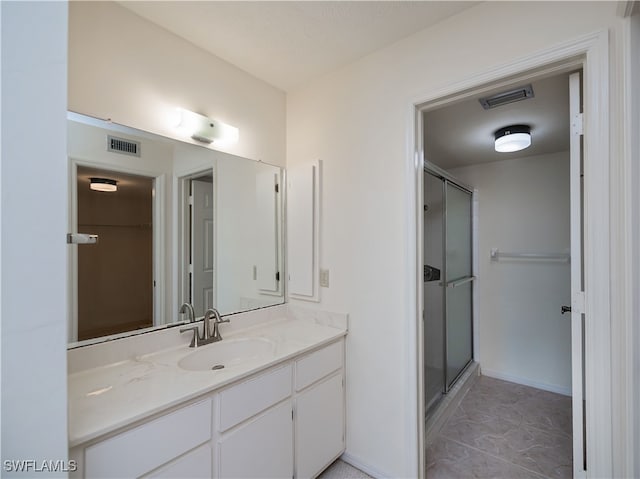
[(115, 290), (523, 238)]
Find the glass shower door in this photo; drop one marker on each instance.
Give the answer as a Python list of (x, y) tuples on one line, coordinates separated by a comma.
[(458, 280), (433, 319)]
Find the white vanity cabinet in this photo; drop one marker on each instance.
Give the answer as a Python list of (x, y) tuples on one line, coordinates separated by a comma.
[(285, 422)]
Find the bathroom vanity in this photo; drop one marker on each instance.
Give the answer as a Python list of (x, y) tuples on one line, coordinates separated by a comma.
[(276, 408)]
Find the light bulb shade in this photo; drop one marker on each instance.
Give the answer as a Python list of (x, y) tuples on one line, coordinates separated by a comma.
[(204, 129), (512, 138), (103, 184)]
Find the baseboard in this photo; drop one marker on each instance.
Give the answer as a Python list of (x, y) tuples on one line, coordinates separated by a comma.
[(359, 464), (526, 382)]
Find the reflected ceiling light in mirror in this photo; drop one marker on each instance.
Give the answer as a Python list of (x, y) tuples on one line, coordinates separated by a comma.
[(512, 138), (203, 129), (103, 184)]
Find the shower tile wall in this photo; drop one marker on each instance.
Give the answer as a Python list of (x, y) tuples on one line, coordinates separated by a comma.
[(504, 430)]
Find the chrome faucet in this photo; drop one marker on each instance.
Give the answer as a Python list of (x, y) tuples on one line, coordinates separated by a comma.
[(209, 314), (207, 336), (187, 308)]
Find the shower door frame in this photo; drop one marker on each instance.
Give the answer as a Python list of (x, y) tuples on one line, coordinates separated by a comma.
[(446, 178)]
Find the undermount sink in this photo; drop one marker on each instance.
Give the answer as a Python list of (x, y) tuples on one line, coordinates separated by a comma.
[(228, 353)]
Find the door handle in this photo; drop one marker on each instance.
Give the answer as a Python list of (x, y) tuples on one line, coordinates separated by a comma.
[(565, 309)]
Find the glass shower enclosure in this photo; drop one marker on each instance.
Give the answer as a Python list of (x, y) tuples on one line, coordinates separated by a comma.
[(448, 283)]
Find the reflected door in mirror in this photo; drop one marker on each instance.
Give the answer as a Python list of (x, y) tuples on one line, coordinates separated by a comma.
[(202, 245), (115, 275)]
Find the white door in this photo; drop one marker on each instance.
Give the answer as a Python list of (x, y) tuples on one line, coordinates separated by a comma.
[(202, 246), (267, 190), (577, 280)]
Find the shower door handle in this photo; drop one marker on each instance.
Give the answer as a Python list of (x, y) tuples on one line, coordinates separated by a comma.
[(460, 282)]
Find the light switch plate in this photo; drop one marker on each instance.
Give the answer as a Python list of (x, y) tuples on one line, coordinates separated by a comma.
[(324, 278)]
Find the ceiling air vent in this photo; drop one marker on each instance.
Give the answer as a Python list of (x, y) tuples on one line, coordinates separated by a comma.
[(502, 98), (122, 146)]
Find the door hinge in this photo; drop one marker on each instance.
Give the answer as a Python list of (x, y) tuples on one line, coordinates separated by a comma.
[(292, 414), (577, 124), (277, 188), (191, 200), (578, 303), (277, 275)]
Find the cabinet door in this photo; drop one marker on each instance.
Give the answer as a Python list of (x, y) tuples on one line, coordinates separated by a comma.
[(261, 448), (319, 426), (196, 464)]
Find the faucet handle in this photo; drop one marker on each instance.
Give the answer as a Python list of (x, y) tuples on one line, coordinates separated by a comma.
[(196, 335)]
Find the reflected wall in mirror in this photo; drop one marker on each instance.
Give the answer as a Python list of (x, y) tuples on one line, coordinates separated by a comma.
[(184, 224)]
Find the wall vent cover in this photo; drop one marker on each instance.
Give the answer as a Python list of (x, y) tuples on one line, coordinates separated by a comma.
[(122, 146), (505, 97)]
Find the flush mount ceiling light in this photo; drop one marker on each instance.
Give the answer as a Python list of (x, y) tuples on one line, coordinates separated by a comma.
[(103, 184), (203, 129), (512, 138)]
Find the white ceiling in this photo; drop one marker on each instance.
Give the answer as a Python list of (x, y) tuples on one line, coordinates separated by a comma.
[(463, 133), (288, 43)]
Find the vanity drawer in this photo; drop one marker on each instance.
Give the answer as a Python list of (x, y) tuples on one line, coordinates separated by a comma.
[(248, 398), (150, 445), (318, 364)]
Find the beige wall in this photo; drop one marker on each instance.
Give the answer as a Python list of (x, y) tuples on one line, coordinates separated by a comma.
[(362, 116), (136, 73), (523, 206), (33, 288)]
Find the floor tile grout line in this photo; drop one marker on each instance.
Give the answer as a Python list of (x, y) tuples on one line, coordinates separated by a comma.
[(502, 459)]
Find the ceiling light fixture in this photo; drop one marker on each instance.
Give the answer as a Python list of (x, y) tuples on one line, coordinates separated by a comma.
[(103, 184), (205, 130), (512, 138)]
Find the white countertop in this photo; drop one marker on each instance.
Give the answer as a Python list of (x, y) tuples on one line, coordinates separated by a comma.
[(106, 398)]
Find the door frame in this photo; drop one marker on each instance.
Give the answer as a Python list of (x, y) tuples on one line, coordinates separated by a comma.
[(184, 232), (158, 245), (591, 53)]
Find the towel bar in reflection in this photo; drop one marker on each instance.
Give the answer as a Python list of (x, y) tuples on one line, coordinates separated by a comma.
[(497, 255)]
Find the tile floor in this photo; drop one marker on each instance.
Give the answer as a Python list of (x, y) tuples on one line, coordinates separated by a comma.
[(341, 470), (501, 430), (504, 430)]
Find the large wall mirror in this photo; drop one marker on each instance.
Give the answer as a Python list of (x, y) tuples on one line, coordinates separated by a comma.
[(175, 223)]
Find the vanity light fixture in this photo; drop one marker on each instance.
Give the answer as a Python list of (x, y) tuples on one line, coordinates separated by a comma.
[(512, 138), (205, 130), (103, 184)]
